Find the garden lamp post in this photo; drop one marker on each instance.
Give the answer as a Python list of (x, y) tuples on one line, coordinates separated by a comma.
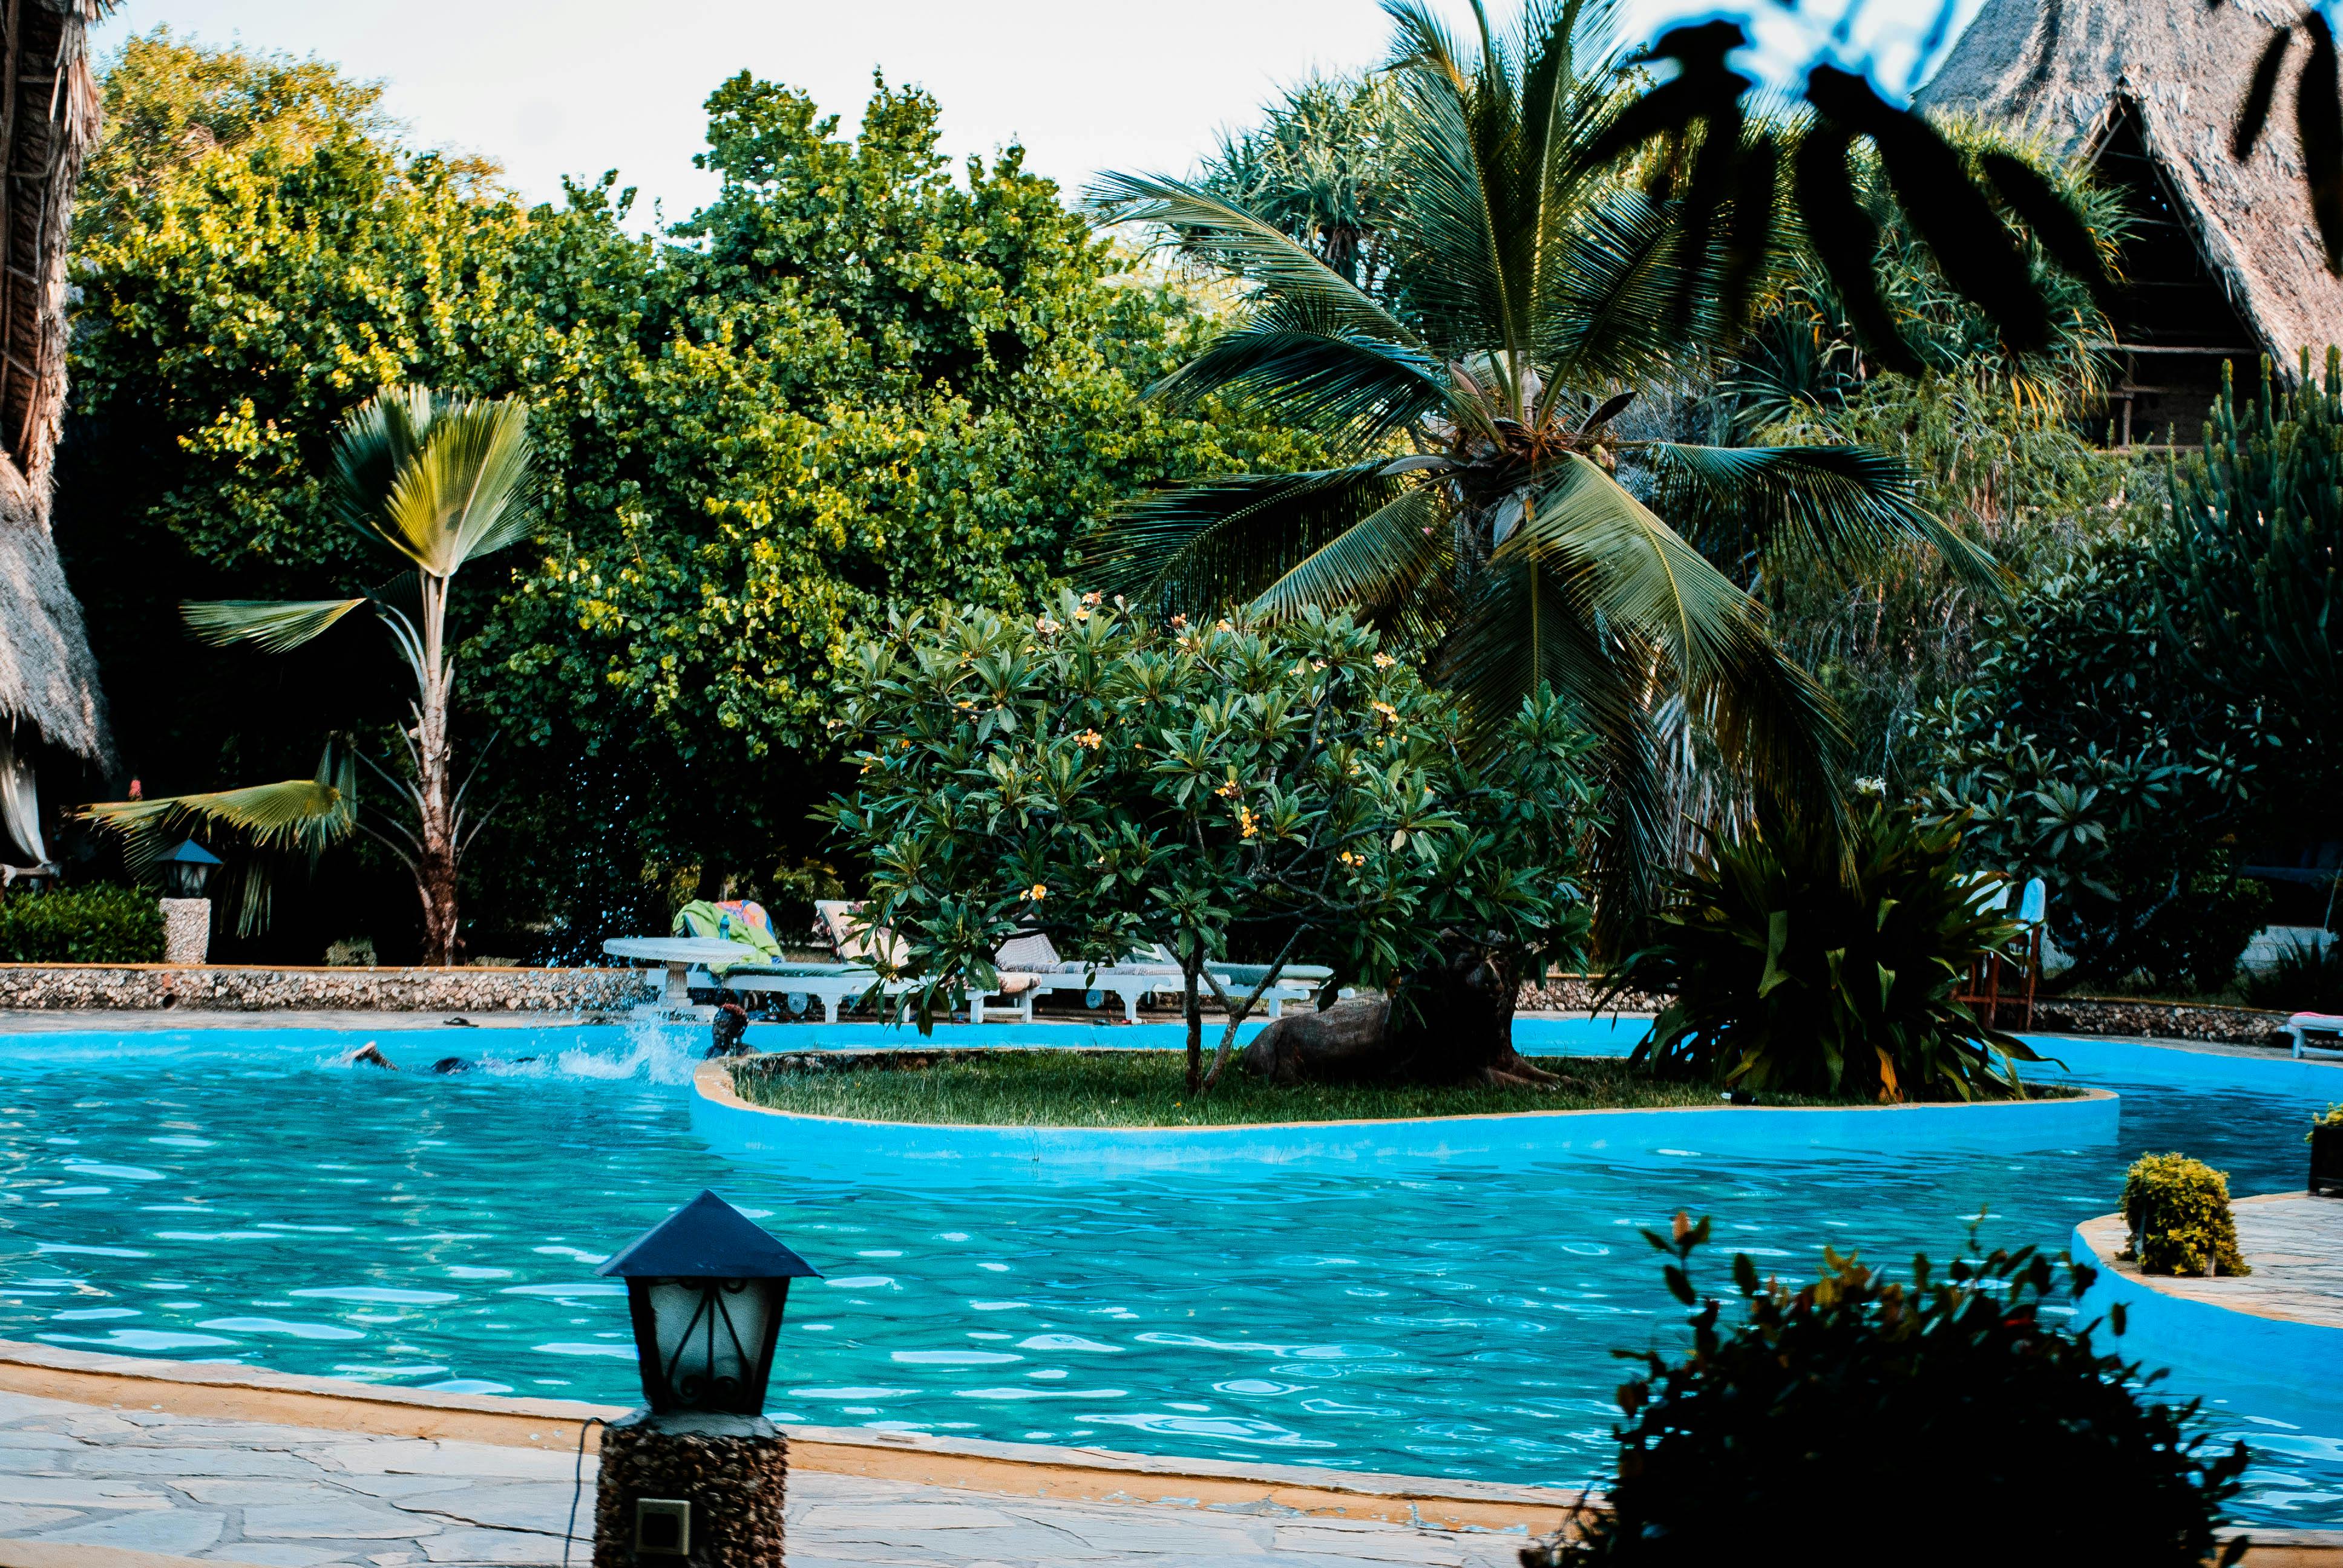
[(186, 910), (699, 1473)]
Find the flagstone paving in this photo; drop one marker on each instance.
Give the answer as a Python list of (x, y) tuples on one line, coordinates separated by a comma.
[(290, 1497)]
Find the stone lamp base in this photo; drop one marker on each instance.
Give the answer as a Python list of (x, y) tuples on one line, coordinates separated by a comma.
[(186, 931), (728, 1474)]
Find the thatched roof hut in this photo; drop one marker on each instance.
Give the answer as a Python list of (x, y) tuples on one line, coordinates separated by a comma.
[(2225, 263), (48, 119)]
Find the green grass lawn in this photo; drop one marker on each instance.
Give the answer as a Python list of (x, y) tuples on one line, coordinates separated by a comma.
[(1144, 1089)]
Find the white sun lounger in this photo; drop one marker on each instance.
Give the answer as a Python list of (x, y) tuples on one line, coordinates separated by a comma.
[(698, 963), (1141, 975), (2304, 1024)]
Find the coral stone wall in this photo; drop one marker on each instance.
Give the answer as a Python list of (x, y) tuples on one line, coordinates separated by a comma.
[(241, 988)]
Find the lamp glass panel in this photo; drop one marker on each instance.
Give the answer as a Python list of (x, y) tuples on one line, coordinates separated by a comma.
[(709, 1334)]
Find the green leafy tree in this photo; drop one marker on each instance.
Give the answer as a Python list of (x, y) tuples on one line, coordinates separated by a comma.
[(2255, 596), (1494, 510), (1289, 789), (442, 482), (2083, 751), (860, 377)]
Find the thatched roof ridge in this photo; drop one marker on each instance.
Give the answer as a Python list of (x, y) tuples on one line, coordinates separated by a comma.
[(2064, 69), (48, 120)]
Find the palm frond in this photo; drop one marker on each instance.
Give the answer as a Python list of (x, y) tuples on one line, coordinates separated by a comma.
[(1605, 307), (1392, 565), (376, 440), (1225, 540), (309, 815), (1834, 506), (1349, 384), (465, 493), (304, 815), (1457, 242), (1624, 567), (276, 625), (1230, 237), (442, 481), (1522, 631)]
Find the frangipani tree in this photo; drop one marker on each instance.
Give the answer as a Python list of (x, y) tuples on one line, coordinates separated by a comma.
[(1287, 789), (1492, 513), (441, 481)]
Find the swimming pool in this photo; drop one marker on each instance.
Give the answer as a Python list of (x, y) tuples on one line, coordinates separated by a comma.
[(233, 1195)]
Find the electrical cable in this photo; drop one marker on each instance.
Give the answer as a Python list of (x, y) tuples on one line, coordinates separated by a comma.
[(577, 1485)]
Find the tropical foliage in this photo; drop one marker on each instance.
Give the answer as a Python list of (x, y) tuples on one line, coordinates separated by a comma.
[(2144, 719), (1317, 168), (859, 377), (1825, 1399), (441, 482), (1283, 791), (95, 924), (1792, 971), (1497, 512), (257, 830)]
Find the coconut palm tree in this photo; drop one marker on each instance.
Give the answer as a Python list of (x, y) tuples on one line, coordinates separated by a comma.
[(1493, 509), (442, 481)]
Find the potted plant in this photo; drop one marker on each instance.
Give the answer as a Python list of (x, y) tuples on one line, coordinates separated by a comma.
[(2326, 1142)]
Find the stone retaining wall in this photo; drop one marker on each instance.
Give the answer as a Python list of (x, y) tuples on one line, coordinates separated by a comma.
[(2126, 1016), (2155, 1020), (1576, 993), (240, 989)]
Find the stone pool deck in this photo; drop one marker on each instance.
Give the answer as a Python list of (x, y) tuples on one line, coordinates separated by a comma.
[(2293, 1244), (107, 1461), (295, 1497)]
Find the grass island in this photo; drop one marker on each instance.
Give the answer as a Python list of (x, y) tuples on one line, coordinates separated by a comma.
[(1056, 1087)]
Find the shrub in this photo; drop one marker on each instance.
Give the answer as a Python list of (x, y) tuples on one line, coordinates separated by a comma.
[(92, 925), (2178, 1211), (1845, 1405), (1789, 975)]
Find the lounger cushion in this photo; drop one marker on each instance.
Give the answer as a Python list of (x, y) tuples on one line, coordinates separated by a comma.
[(841, 922)]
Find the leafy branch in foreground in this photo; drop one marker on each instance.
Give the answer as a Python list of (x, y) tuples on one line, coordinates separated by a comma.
[(1850, 1398)]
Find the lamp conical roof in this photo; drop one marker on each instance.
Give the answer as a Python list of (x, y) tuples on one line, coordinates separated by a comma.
[(708, 1239)]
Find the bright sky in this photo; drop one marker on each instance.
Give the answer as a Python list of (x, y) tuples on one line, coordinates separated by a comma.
[(550, 87)]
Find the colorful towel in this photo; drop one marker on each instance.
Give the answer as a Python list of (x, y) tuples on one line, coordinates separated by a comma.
[(732, 921)]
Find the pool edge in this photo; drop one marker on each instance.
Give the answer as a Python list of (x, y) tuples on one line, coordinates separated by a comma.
[(733, 1125)]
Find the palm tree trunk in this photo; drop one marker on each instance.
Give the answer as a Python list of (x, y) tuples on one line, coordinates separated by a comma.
[(435, 868)]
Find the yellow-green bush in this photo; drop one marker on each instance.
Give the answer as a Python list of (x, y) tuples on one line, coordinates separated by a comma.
[(2178, 1211)]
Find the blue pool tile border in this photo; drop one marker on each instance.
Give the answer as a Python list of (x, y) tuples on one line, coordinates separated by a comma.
[(734, 1128)]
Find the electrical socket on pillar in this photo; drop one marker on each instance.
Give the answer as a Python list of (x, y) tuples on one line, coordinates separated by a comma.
[(662, 1527)]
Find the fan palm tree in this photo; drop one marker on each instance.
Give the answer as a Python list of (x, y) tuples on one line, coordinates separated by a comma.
[(441, 481), (1492, 510)]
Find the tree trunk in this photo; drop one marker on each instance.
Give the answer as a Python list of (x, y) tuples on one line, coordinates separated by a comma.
[(1190, 966), (1447, 1024), (435, 788)]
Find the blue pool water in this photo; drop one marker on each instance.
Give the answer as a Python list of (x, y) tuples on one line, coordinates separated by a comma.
[(237, 1196)]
